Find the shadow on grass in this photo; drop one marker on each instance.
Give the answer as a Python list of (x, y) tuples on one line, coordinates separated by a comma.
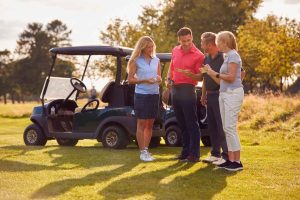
[(120, 174), (178, 181)]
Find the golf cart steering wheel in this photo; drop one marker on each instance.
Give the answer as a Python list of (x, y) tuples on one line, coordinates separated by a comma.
[(90, 103), (78, 85)]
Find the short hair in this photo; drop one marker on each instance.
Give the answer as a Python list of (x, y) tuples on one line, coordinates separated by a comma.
[(209, 37), (184, 31), (228, 38)]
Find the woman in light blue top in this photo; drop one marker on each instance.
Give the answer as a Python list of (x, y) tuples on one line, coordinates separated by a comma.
[(144, 71), (231, 96)]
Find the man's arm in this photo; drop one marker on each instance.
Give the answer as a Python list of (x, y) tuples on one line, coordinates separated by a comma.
[(203, 95), (169, 75)]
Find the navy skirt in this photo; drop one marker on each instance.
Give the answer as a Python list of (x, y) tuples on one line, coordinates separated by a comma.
[(146, 105)]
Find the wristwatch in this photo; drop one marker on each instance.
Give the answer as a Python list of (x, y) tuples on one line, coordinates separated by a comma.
[(217, 75), (170, 81)]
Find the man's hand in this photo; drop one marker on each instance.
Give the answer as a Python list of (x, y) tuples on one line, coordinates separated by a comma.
[(185, 72), (203, 100), (168, 83), (203, 70)]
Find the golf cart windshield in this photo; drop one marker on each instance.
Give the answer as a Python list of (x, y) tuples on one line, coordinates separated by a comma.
[(58, 88)]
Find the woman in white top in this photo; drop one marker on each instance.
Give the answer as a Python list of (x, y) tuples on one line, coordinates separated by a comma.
[(231, 96)]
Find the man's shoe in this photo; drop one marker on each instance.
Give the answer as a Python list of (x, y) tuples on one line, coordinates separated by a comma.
[(219, 161), (180, 157), (235, 166), (211, 159), (225, 164), (190, 158)]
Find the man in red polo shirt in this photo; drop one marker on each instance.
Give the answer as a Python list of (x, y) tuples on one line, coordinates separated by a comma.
[(186, 57)]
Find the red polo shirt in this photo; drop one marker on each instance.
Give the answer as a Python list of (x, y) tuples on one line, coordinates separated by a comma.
[(192, 60)]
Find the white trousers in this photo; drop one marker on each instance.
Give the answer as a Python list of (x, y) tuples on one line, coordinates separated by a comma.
[(230, 105)]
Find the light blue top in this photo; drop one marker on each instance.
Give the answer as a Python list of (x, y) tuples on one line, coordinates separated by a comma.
[(231, 57), (145, 70)]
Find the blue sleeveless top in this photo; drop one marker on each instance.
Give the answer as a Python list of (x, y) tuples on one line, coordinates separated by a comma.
[(145, 70)]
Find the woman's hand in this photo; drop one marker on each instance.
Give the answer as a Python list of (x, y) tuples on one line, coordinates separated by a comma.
[(158, 78), (209, 70)]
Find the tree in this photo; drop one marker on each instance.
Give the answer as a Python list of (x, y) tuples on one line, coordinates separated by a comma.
[(4, 73), (120, 33), (213, 15), (33, 40), (270, 50), (33, 46), (59, 33)]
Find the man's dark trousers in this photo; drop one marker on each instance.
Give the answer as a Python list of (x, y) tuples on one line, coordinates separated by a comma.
[(184, 104), (215, 128)]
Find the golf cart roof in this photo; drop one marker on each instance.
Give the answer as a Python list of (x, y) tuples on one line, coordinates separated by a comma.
[(92, 50), (163, 57)]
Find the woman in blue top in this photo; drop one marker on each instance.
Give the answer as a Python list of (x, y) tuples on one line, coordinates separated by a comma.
[(231, 96), (144, 71)]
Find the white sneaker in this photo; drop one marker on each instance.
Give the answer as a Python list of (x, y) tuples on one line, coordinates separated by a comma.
[(151, 156), (145, 156), (219, 161), (211, 159)]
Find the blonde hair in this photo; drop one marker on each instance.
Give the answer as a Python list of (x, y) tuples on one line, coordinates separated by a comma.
[(228, 38), (140, 46)]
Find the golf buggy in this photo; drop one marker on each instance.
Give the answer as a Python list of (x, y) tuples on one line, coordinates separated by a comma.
[(60, 118)]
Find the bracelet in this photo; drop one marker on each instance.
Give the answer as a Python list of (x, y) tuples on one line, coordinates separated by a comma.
[(217, 75)]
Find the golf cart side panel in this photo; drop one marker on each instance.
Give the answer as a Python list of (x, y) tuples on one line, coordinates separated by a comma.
[(86, 121), (170, 120), (128, 123), (158, 133), (38, 118), (74, 135), (91, 121)]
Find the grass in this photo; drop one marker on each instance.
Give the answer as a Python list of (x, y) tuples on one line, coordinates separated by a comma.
[(16, 110), (270, 154)]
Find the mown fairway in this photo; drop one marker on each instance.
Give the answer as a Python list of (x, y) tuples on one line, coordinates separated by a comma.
[(270, 134)]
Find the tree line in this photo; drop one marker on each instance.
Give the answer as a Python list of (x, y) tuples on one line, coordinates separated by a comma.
[(270, 48), (23, 77)]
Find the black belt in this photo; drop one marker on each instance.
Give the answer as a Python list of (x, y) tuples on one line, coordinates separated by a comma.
[(212, 91), (184, 85)]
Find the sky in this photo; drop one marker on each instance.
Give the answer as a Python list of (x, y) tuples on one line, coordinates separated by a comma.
[(87, 18)]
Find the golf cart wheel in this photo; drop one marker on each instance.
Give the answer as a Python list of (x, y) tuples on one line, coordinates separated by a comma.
[(154, 142), (114, 137), (206, 141), (173, 136), (66, 142), (34, 136)]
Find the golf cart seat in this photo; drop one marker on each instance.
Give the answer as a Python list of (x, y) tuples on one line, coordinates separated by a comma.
[(117, 95)]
